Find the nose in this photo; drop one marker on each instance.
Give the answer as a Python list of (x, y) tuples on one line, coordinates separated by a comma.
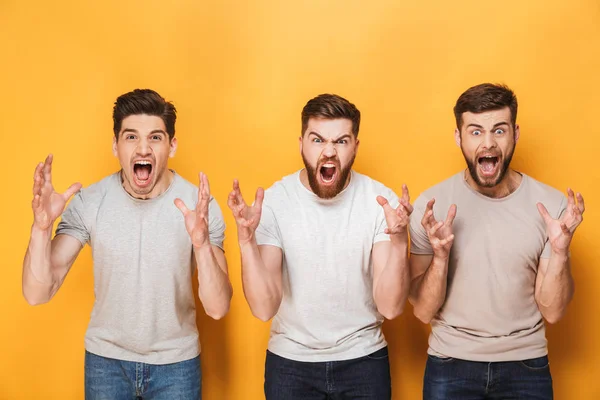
[(329, 150), (143, 148), (489, 141)]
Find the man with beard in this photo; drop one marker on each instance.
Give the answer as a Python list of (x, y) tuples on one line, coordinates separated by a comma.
[(328, 262), (142, 340), (487, 275)]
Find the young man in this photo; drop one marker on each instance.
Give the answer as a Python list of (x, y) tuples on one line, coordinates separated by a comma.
[(142, 340), (327, 262), (490, 261)]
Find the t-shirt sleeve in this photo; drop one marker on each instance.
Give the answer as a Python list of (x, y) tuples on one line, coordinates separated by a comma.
[(381, 223), (73, 222), (419, 241), (268, 229), (216, 224), (560, 211)]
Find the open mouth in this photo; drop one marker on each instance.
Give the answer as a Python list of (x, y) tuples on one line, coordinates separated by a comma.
[(328, 173), (142, 172), (488, 165)]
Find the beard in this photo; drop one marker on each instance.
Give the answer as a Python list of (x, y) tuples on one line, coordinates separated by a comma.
[(328, 192), (488, 183)]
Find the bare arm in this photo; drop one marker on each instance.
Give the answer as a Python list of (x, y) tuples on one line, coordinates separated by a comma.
[(261, 265), (554, 286), (47, 261), (429, 273), (391, 279), (214, 288)]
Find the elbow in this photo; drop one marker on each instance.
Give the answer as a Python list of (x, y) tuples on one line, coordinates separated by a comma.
[(263, 315), (218, 312), (34, 300), (390, 313), (553, 318), (422, 315)]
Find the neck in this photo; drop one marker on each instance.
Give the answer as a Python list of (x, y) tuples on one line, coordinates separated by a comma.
[(511, 181), (163, 183)]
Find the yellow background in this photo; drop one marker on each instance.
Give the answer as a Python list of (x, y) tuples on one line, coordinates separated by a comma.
[(239, 73)]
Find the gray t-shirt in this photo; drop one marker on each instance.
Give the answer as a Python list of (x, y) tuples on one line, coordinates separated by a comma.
[(327, 312), (144, 309), (490, 312)]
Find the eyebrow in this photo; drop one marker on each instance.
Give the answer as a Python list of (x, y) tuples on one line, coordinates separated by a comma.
[(131, 130), (481, 127), (344, 136)]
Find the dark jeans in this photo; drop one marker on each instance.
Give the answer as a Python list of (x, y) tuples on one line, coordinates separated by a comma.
[(110, 379), (366, 377), (454, 379)]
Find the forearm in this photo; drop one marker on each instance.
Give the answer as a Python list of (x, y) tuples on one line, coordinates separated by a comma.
[(557, 287), (429, 291), (393, 283), (214, 288), (261, 287), (40, 282)]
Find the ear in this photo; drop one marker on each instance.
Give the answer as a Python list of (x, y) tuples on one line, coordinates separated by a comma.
[(457, 137), (517, 133), (173, 147), (357, 143), (300, 143), (115, 146)]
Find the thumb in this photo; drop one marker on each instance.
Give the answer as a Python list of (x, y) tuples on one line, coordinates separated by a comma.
[(181, 206), (544, 213), (74, 188)]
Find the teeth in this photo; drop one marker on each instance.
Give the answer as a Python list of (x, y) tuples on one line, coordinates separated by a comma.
[(142, 162), (329, 165)]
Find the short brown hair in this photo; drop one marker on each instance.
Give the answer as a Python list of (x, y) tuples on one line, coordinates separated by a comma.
[(486, 97), (331, 106), (144, 101)]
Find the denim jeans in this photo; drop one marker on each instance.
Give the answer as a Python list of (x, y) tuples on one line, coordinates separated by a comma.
[(110, 379), (454, 379), (366, 377)]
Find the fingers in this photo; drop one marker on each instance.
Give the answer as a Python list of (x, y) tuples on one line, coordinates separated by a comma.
[(405, 200), (580, 203), (570, 197), (48, 168), (38, 179), (237, 191), (446, 241), (435, 228), (451, 215), (405, 194), (35, 203), (427, 221), (258, 198), (179, 204), (544, 213), (383, 202), (565, 228), (74, 188)]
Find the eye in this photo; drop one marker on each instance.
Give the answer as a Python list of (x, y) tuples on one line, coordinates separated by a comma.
[(499, 131), (476, 132), (129, 137), (342, 141), (156, 137), (317, 140)]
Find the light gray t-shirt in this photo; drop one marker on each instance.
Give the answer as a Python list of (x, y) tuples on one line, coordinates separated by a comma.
[(327, 312), (490, 312), (144, 309)]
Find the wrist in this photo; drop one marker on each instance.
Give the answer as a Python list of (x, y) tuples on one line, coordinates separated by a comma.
[(41, 232)]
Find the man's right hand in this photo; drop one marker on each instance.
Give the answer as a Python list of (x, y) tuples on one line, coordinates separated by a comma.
[(246, 217), (439, 232), (47, 204)]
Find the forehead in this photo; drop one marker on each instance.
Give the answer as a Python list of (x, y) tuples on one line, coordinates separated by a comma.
[(329, 128), (143, 123), (487, 119)]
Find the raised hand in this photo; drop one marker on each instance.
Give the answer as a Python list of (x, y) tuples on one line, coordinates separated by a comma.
[(48, 204), (439, 232), (246, 217), (560, 231), (196, 220), (397, 219)]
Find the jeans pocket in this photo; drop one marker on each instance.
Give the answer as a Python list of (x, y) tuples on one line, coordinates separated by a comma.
[(440, 360), (380, 354), (536, 364)]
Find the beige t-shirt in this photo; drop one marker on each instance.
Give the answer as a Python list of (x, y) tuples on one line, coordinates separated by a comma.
[(490, 313)]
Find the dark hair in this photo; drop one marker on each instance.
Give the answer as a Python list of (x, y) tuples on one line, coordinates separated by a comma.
[(330, 106), (144, 101), (486, 97)]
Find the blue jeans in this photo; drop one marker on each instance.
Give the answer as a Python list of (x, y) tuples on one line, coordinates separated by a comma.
[(110, 379), (453, 379), (366, 377)]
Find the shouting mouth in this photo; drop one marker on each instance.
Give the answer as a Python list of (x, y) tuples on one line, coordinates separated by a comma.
[(142, 172), (488, 165), (327, 173)]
